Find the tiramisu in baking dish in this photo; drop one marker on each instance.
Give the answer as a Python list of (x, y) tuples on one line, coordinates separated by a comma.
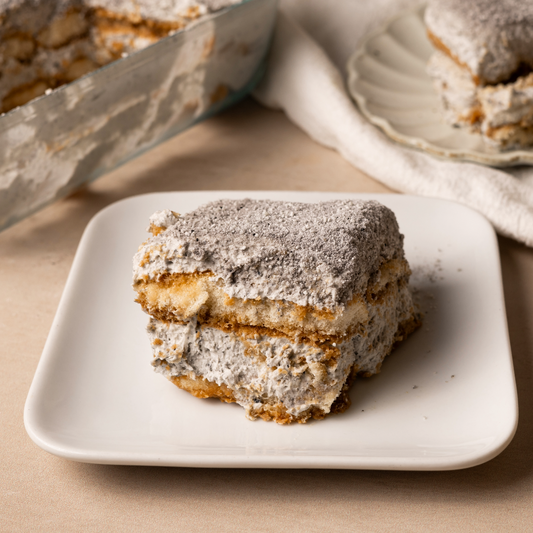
[(45, 44), (276, 306)]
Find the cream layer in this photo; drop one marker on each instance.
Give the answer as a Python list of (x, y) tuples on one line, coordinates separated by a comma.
[(183, 296), (267, 372), (502, 113)]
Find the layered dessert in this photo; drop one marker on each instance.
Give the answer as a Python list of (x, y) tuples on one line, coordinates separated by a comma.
[(46, 44), (482, 67), (276, 306)]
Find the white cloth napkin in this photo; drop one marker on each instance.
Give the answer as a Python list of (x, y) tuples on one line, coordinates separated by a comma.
[(305, 78)]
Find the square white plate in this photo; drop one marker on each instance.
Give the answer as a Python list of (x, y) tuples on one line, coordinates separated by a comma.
[(445, 399)]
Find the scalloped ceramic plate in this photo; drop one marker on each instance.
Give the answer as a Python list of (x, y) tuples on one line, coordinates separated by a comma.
[(388, 80)]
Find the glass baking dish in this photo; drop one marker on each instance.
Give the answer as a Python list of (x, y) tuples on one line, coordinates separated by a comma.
[(51, 145)]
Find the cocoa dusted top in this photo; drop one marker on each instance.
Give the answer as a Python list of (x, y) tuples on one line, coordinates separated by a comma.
[(310, 254), (491, 37)]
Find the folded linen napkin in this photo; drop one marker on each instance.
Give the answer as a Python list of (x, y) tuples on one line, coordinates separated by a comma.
[(305, 78)]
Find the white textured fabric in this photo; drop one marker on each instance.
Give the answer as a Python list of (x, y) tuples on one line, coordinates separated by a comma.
[(305, 78)]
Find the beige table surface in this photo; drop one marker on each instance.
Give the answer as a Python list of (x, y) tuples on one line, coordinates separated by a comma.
[(246, 148)]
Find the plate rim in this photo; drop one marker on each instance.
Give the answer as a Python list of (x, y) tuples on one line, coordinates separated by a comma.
[(498, 159), (352, 462)]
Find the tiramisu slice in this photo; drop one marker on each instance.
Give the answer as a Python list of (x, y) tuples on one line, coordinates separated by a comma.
[(276, 306), (482, 69)]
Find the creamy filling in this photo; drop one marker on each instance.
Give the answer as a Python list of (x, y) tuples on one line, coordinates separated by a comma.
[(502, 113), (456, 89), (264, 369), (510, 103)]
